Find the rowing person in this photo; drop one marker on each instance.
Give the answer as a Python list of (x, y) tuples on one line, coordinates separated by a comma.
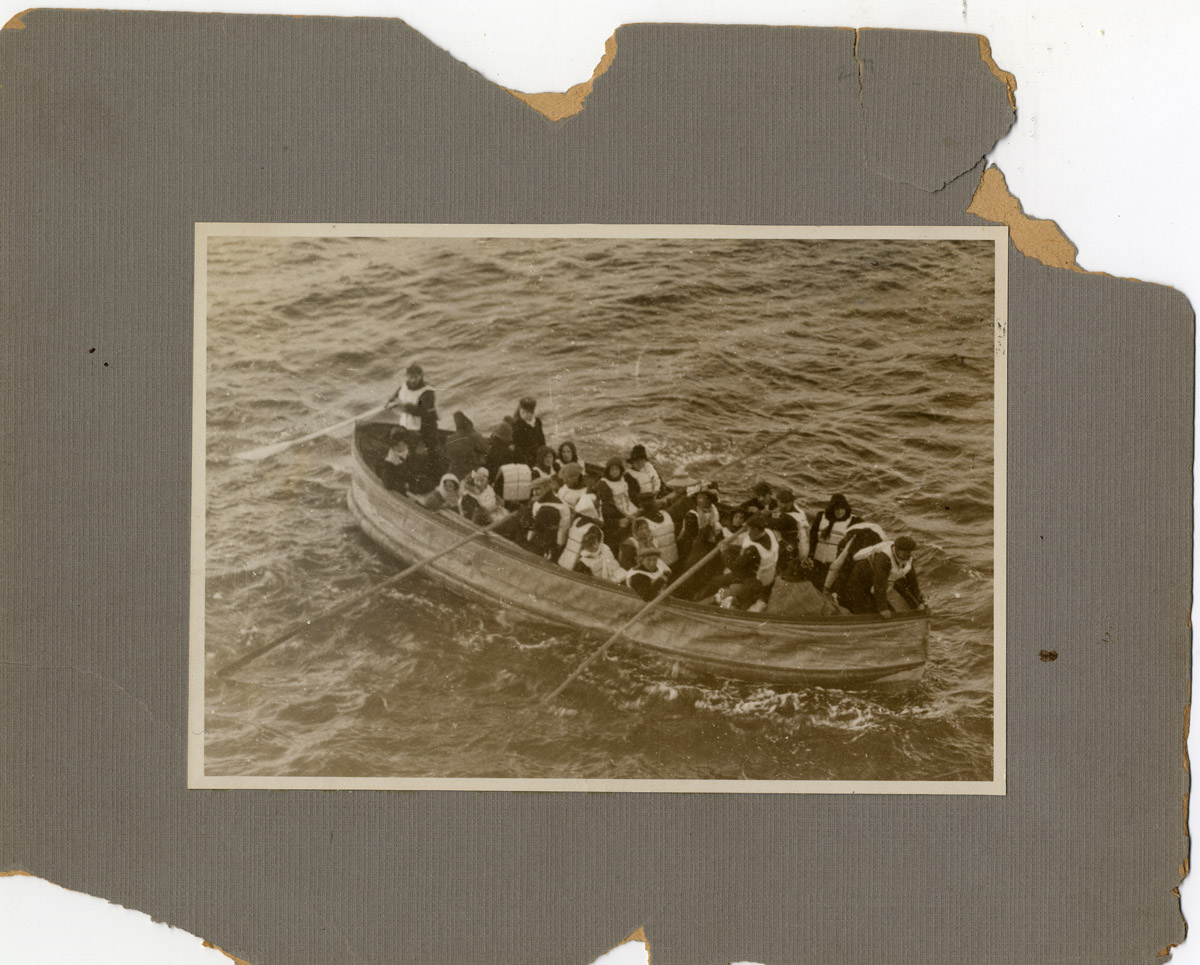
[(858, 537), (884, 566), (416, 403), (753, 571)]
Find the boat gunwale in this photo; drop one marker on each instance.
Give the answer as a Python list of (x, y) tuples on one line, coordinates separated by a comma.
[(708, 612)]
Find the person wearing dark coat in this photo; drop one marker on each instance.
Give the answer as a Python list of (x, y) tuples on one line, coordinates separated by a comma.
[(527, 434), (500, 450), (465, 448), (407, 470), (877, 569), (858, 537)]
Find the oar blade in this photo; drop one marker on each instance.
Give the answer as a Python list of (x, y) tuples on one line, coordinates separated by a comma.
[(263, 452)]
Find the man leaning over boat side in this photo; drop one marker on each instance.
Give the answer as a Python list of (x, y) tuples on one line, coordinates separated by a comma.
[(416, 403), (878, 568)]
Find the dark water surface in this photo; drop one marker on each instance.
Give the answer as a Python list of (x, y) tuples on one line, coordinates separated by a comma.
[(879, 352)]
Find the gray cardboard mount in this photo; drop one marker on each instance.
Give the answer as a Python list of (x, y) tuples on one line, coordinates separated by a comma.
[(120, 131)]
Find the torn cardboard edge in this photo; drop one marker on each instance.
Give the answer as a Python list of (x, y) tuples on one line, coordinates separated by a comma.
[(638, 935)]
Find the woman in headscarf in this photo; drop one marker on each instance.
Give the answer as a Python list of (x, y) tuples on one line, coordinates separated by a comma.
[(447, 494), (828, 530)]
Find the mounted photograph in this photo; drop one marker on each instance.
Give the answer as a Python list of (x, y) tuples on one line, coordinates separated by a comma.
[(684, 508)]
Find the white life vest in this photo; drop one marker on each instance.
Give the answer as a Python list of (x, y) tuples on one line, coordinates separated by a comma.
[(575, 534), (515, 479), (663, 537), (571, 496), (843, 550), (801, 530), (487, 500), (603, 565), (647, 479), (768, 556), (407, 396), (620, 493), (661, 571), (564, 518), (827, 543), (705, 520), (896, 570)]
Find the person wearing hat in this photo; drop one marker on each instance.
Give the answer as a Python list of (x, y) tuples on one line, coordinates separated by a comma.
[(649, 575), (641, 475), (415, 403), (528, 436), (877, 569)]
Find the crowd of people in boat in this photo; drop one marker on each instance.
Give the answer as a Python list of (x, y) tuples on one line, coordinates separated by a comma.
[(622, 523)]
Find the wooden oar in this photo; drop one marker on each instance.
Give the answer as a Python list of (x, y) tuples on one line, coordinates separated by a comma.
[(263, 452), (666, 592), (297, 627)]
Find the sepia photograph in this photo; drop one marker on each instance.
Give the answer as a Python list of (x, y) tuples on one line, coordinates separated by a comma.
[(582, 507)]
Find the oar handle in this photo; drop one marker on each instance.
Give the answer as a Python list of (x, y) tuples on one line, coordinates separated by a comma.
[(345, 605), (662, 596)]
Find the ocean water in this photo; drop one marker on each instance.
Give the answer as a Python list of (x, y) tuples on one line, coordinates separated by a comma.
[(879, 353)]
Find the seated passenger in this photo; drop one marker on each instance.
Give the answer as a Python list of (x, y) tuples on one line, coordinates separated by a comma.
[(393, 469), (649, 576), (446, 496), (500, 449), (753, 572), (587, 519), (550, 519), (701, 529), (465, 448), (543, 464), (762, 500), (792, 525), (527, 434), (632, 546), (641, 475), (574, 486), (858, 537), (829, 528), (596, 559), (479, 502), (878, 568), (662, 528), (567, 456), (612, 495)]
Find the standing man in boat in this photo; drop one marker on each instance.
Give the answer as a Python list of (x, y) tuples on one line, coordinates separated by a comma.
[(417, 405), (528, 436), (886, 565)]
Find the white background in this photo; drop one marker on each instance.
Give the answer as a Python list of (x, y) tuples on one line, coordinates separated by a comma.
[(1105, 144)]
